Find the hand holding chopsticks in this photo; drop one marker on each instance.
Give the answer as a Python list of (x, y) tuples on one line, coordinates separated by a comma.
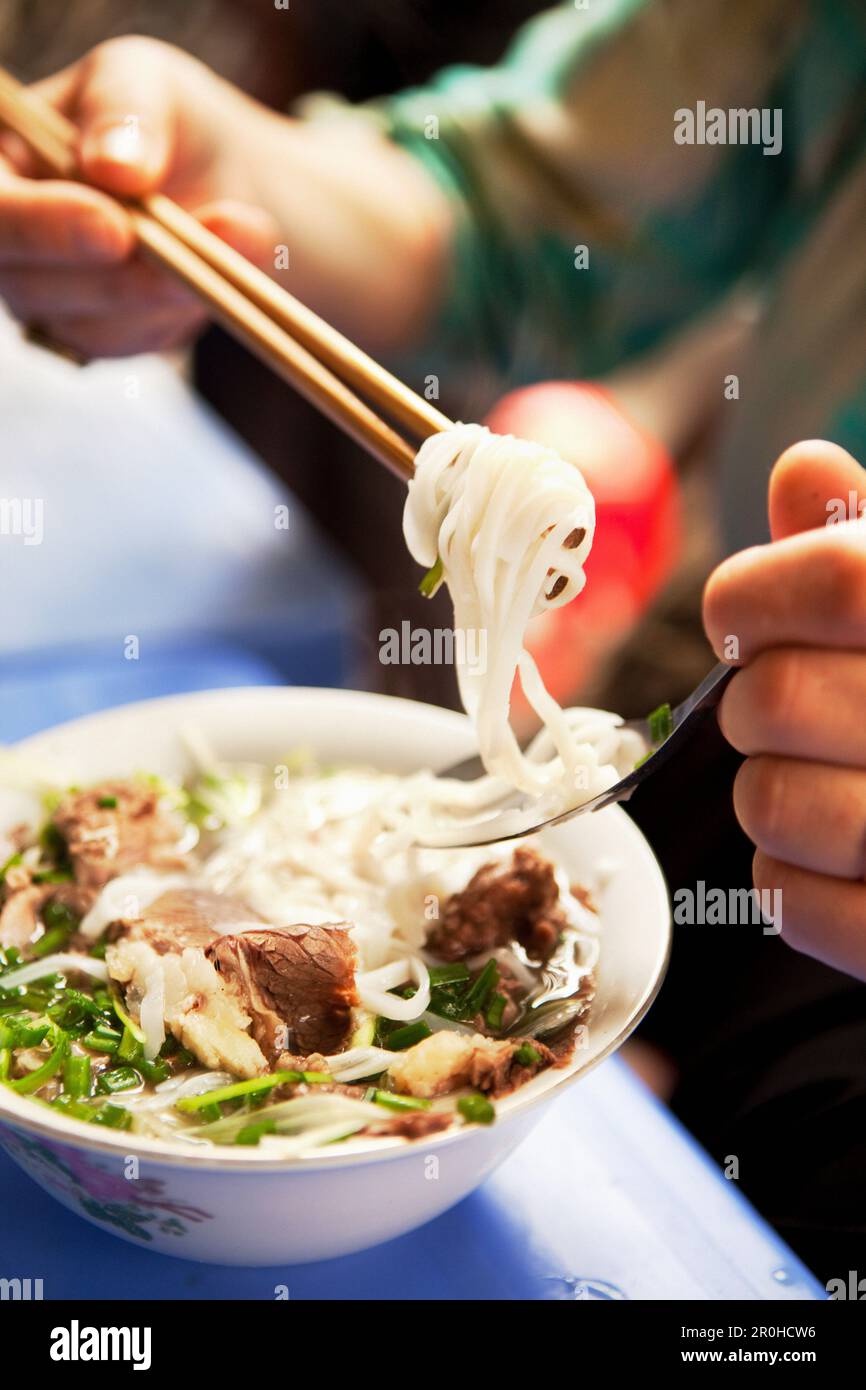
[(323, 365)]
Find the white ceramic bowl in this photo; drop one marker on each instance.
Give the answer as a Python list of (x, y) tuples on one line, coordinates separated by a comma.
[(236, 1206)]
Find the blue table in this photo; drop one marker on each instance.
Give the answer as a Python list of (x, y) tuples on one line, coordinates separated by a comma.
[(608, 1198)]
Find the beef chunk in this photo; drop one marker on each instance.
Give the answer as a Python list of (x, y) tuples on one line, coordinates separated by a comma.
[(297, 982), (183, 917), (502, 903), (110, 828), (24, 902), (447, 1061), (414, 1124)]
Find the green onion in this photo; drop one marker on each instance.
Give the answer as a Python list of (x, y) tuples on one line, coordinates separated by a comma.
[(59, 922), (118, 1079), (432, 579), (527, 1056), (495, 1011), (51, 942), (130, 1048), (107, 803), (12, 862), (102, 1040), (477, 1110), (251, 1134), (153, 1071), (476, 999), (114, 1116), (191, 1104), (448, 974), (54, 876), (413, 1033), (5, 1062), (117, 1005), (26, 1085), (661, 724), (392, 1101), (77, 1077)]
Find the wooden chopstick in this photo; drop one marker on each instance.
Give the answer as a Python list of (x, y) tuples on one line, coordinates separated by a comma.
[(246, 301)]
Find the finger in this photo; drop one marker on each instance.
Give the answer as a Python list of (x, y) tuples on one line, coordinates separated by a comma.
[(777, 799), (810, 484), (805, 590), (59, 223), (137, 286), (103, 337), (124, 110), (249, 229), (823, 917), (799, 702)]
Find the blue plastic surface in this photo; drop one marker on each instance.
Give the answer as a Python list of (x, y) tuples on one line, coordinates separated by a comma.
[(606, 1199)]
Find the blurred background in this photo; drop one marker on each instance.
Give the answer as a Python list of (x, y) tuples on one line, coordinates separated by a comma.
[(135, 446)]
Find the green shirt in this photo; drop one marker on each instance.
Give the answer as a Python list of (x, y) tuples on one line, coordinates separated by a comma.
[(570, 143)]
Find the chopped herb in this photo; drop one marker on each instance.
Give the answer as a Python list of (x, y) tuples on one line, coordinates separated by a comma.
[(26, 1085), (448, 974), (527, 1056), (401, 1038), (479, 994), (495, 1011), (113, 1116), (54, 876), (392, 1101), (432, 579), (77, 1077), (12, 862), (107, 803), (251, 1134), (102, 1040), (118, 1079), (661, 724), (190, 1105), (477, 1110), (130, 1048), (128, 1023)]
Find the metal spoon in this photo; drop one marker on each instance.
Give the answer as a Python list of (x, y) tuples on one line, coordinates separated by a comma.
[(685, 719)]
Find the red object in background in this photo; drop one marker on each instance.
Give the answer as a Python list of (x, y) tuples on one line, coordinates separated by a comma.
[(637, 532)]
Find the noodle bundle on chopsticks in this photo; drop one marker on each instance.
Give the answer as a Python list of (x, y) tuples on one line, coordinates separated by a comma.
[(508, 525)]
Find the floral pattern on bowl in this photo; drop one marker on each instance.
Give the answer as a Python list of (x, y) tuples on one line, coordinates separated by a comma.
[(139, 1208)]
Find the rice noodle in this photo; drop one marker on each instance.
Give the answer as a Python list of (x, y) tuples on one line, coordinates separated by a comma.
[(374, 986), (128, 895), (512, 525), (57, 964)]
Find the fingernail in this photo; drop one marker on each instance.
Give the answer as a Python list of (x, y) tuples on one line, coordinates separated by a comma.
[(122, 143)]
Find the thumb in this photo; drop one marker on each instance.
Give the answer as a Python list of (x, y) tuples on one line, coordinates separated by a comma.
[(247, 228), (126, 117), (812, 483)]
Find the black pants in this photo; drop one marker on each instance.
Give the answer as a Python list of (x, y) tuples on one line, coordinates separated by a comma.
[(771, 1046)]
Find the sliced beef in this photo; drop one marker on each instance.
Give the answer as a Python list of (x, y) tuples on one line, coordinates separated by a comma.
[(297, 982), (111, 828), (518, 901), (184, 917), (165, 947)]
